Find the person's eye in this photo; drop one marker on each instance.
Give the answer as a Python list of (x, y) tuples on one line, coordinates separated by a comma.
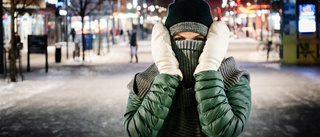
[(200, 39), (178, 38)]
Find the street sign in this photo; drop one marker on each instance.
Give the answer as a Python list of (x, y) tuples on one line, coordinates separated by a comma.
[(88, 41), (37, 44)]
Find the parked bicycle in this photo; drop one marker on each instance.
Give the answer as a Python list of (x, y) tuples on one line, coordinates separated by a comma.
[(267, 48)]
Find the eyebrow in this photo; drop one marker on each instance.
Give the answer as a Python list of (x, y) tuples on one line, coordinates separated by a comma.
[(199, 35), (178, 35)]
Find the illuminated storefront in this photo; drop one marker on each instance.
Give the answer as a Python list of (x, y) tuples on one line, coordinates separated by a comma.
[(90, 25), (34, 22), (250, 19)]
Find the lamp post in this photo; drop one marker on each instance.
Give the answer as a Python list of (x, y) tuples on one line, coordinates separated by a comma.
[(261, 34), (143, 15), (66, 29), (129, 8), (139, 30), (1, 44), (233, 6), (255, 29), (113, 24), (247, 25), (144, 11)]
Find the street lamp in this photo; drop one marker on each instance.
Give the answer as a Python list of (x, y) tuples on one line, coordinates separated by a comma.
[(151, 8), (161, 9), (129, 6), (138, 8), (233, 4), (144, 5)]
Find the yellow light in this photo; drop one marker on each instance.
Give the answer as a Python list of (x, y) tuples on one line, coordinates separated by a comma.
[(115, 14)]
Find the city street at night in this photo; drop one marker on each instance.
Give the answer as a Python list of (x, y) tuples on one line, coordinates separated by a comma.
[(66, 65), (88, 99)]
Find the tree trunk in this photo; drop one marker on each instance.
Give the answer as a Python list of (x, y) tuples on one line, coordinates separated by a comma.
[(82, 20), (113, 26), (13, 47), (99, 36), (2, 71), (99, 33), (107, 32)]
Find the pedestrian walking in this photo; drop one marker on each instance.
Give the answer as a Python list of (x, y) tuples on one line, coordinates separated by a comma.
[(191, 90), (17, 41), (133, 45), (122, 35), (73, 34), (18, 46), (129, 34)]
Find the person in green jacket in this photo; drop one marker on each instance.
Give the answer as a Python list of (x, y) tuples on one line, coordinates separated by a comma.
[(191, 90)]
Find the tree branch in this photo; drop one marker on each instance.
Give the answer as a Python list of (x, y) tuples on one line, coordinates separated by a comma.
[(24, 3), (73, 10), (75, 7), (87, 2), (7, 10), (96, 6), (74, 3), (17, 2), (33, 1), (21, 10)]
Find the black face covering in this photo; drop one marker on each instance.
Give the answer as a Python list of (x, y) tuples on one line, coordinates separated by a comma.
[(188, 53)]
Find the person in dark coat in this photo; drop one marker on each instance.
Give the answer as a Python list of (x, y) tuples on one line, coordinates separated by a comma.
[(17, 40), (18, 46), (73, 34), (133, 45), (191, 90)]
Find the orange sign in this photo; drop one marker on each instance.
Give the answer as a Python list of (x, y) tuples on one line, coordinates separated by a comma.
[(115, 14), (251, 9)]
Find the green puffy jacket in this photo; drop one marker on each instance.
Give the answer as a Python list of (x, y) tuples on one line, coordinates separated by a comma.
[(222, 111)]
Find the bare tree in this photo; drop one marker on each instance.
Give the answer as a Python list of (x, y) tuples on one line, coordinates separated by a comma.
[(99, 33), (83, 8), (101, 12), (19, 7)]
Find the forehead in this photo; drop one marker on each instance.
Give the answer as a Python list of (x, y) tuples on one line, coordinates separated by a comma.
[(188, 34)]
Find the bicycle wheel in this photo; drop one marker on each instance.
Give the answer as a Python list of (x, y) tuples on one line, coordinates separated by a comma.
[(277, 48), (262, 49)]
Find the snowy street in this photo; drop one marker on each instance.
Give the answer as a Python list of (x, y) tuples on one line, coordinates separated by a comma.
[(88, 99)]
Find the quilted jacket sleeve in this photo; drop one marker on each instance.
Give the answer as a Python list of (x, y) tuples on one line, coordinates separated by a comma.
[(222, 113), (144, 117)]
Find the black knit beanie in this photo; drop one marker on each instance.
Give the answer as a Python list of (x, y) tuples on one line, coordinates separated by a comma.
[(189, 16)]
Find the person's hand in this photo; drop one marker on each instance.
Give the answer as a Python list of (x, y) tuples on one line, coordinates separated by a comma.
[(215, 48), (162, 52)]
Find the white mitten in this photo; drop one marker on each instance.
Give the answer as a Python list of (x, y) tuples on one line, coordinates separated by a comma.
[(215, 48), (162, 52)]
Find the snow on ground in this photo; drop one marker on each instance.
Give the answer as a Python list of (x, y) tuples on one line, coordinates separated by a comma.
[(13, 92), (114, 62), (38, 81), (78, 98)]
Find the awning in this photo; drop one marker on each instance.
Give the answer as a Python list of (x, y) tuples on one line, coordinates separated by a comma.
[(30, 4)]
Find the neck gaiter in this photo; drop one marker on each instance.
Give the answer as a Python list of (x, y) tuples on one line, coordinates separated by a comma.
[(188, 53)]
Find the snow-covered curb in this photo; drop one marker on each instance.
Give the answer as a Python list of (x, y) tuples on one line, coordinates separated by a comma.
[(13, 92)]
